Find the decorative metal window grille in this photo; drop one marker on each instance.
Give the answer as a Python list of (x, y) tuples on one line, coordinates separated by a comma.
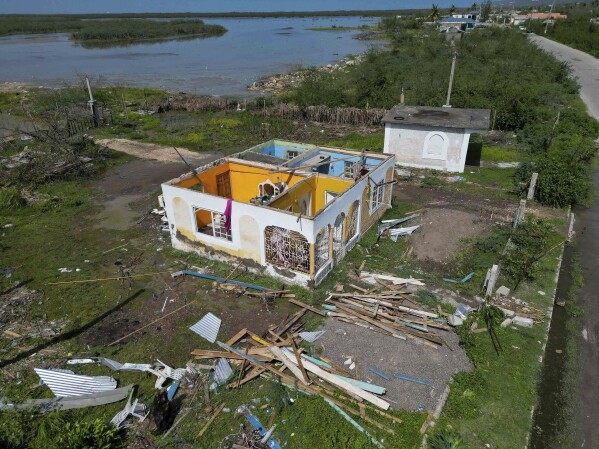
[(218, 226), (288, 249), (322, 247), (377, 196), (215, 227), (352, 221)]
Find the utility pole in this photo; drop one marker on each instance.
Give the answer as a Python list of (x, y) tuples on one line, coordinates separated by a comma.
[(92, 105), (455, 56), (549, 18)]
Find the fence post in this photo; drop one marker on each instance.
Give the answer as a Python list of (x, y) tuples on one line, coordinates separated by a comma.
[(532, 186)]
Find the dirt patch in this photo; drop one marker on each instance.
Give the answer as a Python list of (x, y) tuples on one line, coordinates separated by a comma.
[(124, 186), (441, 231), (155, 152), (390, 355), (492, 210)]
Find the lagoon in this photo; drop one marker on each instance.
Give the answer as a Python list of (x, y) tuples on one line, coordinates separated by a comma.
[(225, 65)]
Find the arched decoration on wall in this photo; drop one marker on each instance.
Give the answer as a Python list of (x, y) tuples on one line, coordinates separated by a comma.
[(322, 248), (351, 227), (287, 249), (250, 241), (338, 242), (182, 214), (435, 145)]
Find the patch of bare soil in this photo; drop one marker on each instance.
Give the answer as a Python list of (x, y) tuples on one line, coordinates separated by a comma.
[(236, 313), (155, 152), (368, 349), (442, 230), (492, 210)]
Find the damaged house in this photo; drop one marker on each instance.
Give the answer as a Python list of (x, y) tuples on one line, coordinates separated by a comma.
[(287, 210)]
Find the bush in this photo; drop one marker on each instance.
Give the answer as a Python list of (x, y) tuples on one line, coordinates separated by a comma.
[(565, 172), (530, 241), (10, 198), (445, 439), (88, 435)]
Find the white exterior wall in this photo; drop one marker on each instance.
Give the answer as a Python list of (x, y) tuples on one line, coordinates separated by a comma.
[(262, 215), (408, 145)]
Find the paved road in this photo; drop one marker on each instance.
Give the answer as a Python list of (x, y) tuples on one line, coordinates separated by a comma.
[(586, 69)]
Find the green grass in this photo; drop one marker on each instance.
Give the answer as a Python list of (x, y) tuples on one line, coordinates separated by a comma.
[(490, 177), (500, 154), (357, 141), (492, 404)]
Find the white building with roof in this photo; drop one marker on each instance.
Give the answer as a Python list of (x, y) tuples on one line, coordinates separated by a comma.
[(432, 137)]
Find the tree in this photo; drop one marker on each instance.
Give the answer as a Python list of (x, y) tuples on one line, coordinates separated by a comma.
[(435, 13), (485, 10), (452, 9)]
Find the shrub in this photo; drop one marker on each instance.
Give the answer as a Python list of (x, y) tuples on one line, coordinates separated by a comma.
[(445, 439), (88, 435), (565, 172), (10, 198)]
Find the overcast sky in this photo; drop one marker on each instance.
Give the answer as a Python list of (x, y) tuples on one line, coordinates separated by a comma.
[(105, 6)]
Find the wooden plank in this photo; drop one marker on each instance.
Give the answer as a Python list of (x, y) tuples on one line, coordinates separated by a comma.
[(345, 385), (306, 306), (280, 355), (206, 354), (376, 323), (238, 336), (299, 363), (212, 418), (314, 390), (254, 372)]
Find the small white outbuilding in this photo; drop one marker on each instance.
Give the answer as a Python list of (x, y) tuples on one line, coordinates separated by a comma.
[(432, 137)]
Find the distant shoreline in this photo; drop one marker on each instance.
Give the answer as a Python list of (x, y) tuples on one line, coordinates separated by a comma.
[(232, 14)]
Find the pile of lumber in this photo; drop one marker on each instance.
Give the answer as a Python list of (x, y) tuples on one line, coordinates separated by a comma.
[(388, 309), (518, 307), (278, 357)]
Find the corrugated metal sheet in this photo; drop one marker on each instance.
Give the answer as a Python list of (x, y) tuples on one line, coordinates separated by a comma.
[(222, 372), (66, 384), (311, 337), (68, 403), (207, 327)]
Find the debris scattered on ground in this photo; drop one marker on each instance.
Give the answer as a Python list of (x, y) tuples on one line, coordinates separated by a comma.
[(207, 327), (460, 281), (390, 311)]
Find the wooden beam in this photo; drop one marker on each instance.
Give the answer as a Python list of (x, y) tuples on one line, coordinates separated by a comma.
[(308, 307), (212, 418)]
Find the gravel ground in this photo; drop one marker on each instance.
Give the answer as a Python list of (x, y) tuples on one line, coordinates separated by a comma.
[(392, 355)]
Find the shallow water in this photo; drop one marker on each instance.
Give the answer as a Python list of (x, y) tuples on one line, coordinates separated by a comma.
[(252, 48)]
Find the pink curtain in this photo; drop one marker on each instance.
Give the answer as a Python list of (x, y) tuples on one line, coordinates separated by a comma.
[(227, 215)]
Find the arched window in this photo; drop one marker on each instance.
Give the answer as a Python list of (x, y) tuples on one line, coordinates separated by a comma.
[(321, 248), (351, 227)]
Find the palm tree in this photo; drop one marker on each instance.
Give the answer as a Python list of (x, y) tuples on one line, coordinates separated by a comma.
[(435, 13), (452, 9)]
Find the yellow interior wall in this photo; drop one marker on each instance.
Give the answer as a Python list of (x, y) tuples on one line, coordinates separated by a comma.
[(317, 186), (203, 217), (291, 198), (244, 180), (326, 184)]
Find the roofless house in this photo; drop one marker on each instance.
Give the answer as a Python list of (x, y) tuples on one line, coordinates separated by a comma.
[(288, 210)]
